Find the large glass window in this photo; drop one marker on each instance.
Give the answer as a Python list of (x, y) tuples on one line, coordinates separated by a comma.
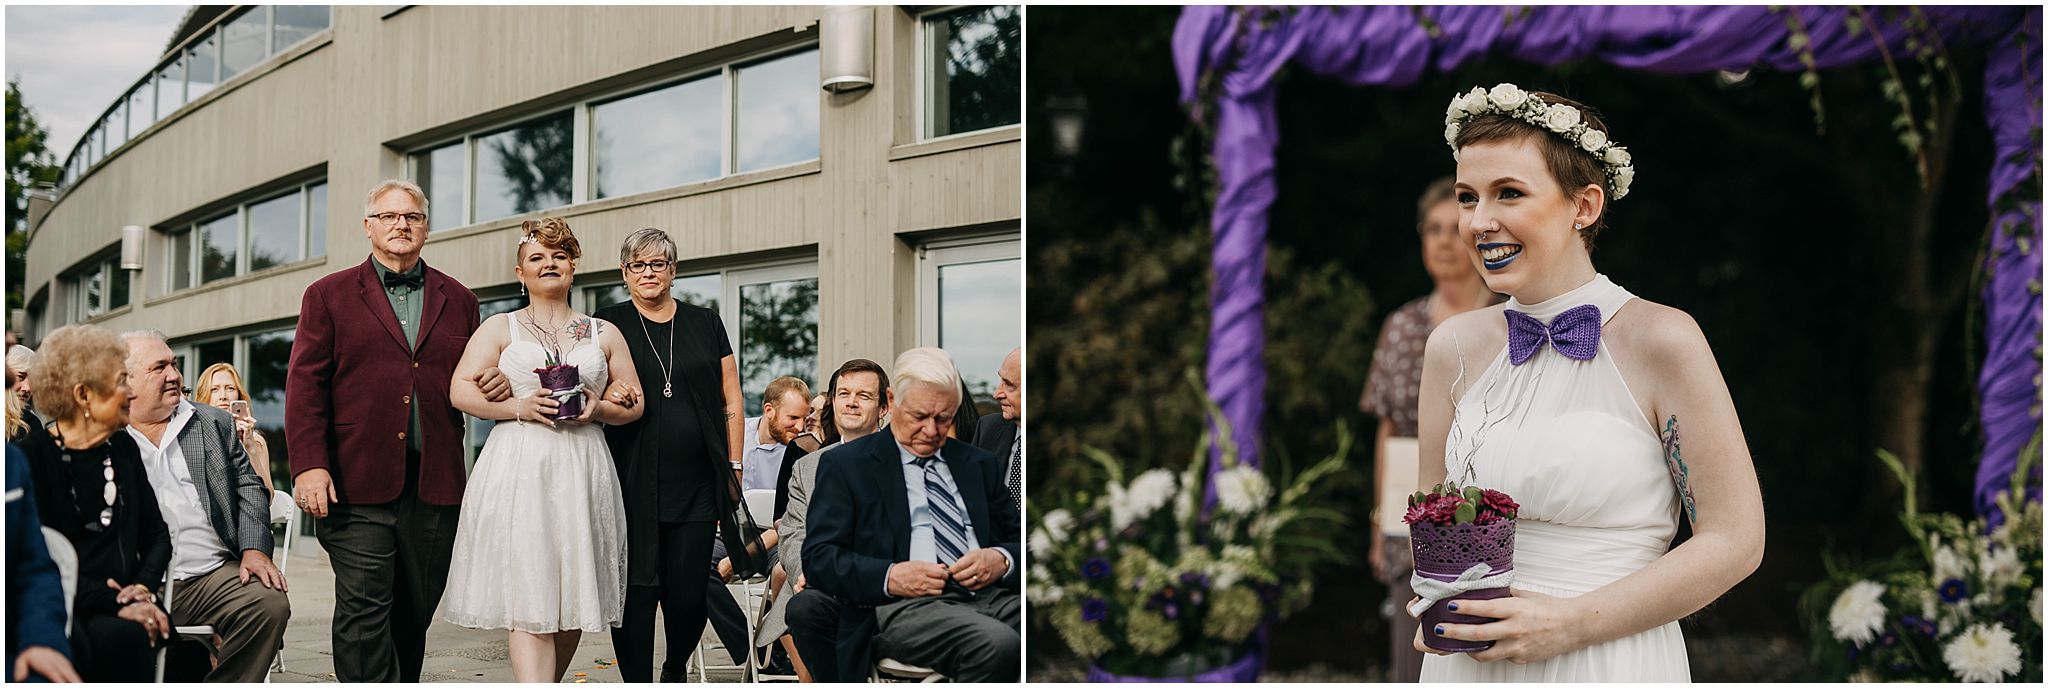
[(202, 67), (220, 247), (95, 288), (439, 173), (972, 69), (971, 304), (778, 111), (778, 334), (662, 138), (245, 41), (269, 354), (274, 231), (181, 261), (209, 353), (696, 290), (293, 23), (117, 285), (524, 168), (170, 87)]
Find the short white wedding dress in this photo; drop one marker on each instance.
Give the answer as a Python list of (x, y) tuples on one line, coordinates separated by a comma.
[(1566, 440), (541, 544)]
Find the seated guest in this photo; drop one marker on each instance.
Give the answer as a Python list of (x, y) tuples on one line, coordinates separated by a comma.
[(222, 387), (913, 533), (856, 401), (1003, 434), (217, 510), (967, 419), (20, 360), (784, 404), (35, 593), (91, 487)]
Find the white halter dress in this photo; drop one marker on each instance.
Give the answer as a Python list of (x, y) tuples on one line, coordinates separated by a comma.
[(1566, 440), (541, 545)]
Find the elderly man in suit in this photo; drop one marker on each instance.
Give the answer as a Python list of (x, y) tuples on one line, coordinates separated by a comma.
[(376, 447), (914, 532), (1003, 434), (218, 512)]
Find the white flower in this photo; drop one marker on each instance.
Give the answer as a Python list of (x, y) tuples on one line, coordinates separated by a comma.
[(1617, 155), (1151, 490), (1983, 654), (1623, 179), (1507, 96), (1242, 490), (1056, 524), (1948, 564), (1041, 544), (1999, 568), (1560, 117), (1858, 613), (2035, 606), (1451, 133), (1593, 139)]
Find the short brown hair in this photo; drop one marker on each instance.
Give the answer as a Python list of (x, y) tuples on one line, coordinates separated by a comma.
[(1570, 167), (75, 355), (781, 387), (551, 232), (826, 424)]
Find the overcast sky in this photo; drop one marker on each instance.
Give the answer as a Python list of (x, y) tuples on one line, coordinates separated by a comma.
[(74, 61)]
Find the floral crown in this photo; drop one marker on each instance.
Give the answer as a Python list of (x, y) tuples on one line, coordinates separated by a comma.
[(1557, 118)]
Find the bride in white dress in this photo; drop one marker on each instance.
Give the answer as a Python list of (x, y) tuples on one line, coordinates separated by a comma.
[(1603, 414), (540, 550)]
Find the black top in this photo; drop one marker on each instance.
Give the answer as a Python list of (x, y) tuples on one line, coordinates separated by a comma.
[(682, 470), (70, 492)]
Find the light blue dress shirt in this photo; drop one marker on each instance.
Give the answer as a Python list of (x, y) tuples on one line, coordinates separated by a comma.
[(923, 543)]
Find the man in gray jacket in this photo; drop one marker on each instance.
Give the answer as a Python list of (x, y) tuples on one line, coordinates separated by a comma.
[(218, 512), (858, 399)]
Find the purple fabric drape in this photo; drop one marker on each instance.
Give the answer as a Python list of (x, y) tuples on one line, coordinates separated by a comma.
[(1237, 52)]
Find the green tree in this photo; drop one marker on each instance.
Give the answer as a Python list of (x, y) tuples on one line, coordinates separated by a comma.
[(28, 163)]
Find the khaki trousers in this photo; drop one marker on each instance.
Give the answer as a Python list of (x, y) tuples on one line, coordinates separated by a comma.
[(249, 619)]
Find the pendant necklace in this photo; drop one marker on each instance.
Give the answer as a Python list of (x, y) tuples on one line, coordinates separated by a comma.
[(667, 387)]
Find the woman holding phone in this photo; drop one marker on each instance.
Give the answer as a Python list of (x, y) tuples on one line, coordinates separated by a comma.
[(224, 390)]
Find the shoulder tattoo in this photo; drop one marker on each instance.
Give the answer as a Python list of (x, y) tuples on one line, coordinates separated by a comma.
[(1679, 474)]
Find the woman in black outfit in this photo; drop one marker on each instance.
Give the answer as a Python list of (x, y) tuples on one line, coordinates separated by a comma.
[(91, 486), (678, 465)]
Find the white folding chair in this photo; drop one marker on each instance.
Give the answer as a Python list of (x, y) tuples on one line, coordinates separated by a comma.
[(761, 506), (283, 510), (202, 634), (887, 670), (66, 557)]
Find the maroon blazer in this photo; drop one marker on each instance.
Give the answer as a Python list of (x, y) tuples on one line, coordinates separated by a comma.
[(353, 378)]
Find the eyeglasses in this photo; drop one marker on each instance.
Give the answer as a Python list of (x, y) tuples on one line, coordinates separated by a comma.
[(640, 266), (391, 219)]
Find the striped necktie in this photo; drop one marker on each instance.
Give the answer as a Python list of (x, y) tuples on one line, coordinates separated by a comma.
[(1017, 471), (949, 525)]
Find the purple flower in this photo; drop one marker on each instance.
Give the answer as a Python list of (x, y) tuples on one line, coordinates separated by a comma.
[(1925, 627), (1194, 580), (1101, 544), (1953, 589), (1172, 611), (1195, 597), (1094, 609), (1095, 569), (1890, 638)]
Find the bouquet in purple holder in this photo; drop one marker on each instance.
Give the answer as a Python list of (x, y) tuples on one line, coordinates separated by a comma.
[(1464, 541), (565, 384)]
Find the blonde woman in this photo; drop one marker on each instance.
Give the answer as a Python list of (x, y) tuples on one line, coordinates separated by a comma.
[(223, 387)]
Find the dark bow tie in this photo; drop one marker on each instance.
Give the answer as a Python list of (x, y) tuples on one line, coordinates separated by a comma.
[(1574, 333), (400, 279)]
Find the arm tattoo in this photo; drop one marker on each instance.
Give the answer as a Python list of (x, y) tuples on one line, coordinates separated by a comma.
[(1679, 473)]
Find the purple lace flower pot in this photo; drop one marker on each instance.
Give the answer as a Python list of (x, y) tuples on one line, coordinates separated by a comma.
[(566, 382), (1443, 553)]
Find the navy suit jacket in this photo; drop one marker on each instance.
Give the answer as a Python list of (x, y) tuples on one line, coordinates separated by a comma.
[(859, 525), (35, 596)]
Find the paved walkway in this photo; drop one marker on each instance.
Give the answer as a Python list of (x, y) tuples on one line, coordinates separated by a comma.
[(454, 653)]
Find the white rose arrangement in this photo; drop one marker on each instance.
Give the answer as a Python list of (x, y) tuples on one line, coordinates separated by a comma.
[(1557, 118)]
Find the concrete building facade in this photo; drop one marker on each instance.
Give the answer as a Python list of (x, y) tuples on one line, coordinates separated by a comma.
[(822, 223)]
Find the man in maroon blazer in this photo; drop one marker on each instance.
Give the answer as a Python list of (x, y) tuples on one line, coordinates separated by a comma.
[(376, 447)]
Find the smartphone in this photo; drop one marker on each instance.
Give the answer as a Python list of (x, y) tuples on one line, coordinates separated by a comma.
[(239, 407)]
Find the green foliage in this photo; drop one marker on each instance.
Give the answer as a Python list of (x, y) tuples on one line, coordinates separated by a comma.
[(29, 163)]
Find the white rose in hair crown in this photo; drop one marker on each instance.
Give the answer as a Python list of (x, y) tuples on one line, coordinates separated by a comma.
[(1557, 118)]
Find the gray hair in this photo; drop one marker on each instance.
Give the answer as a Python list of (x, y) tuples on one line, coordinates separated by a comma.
[(388, 185), (645, 239), (129, 338), (22, 359), (927, 365)]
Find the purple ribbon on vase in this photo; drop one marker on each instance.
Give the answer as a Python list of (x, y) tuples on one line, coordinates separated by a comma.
[(1574, 333)]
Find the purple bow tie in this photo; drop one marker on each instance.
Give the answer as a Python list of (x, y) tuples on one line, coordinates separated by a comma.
[(1575, 333)]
